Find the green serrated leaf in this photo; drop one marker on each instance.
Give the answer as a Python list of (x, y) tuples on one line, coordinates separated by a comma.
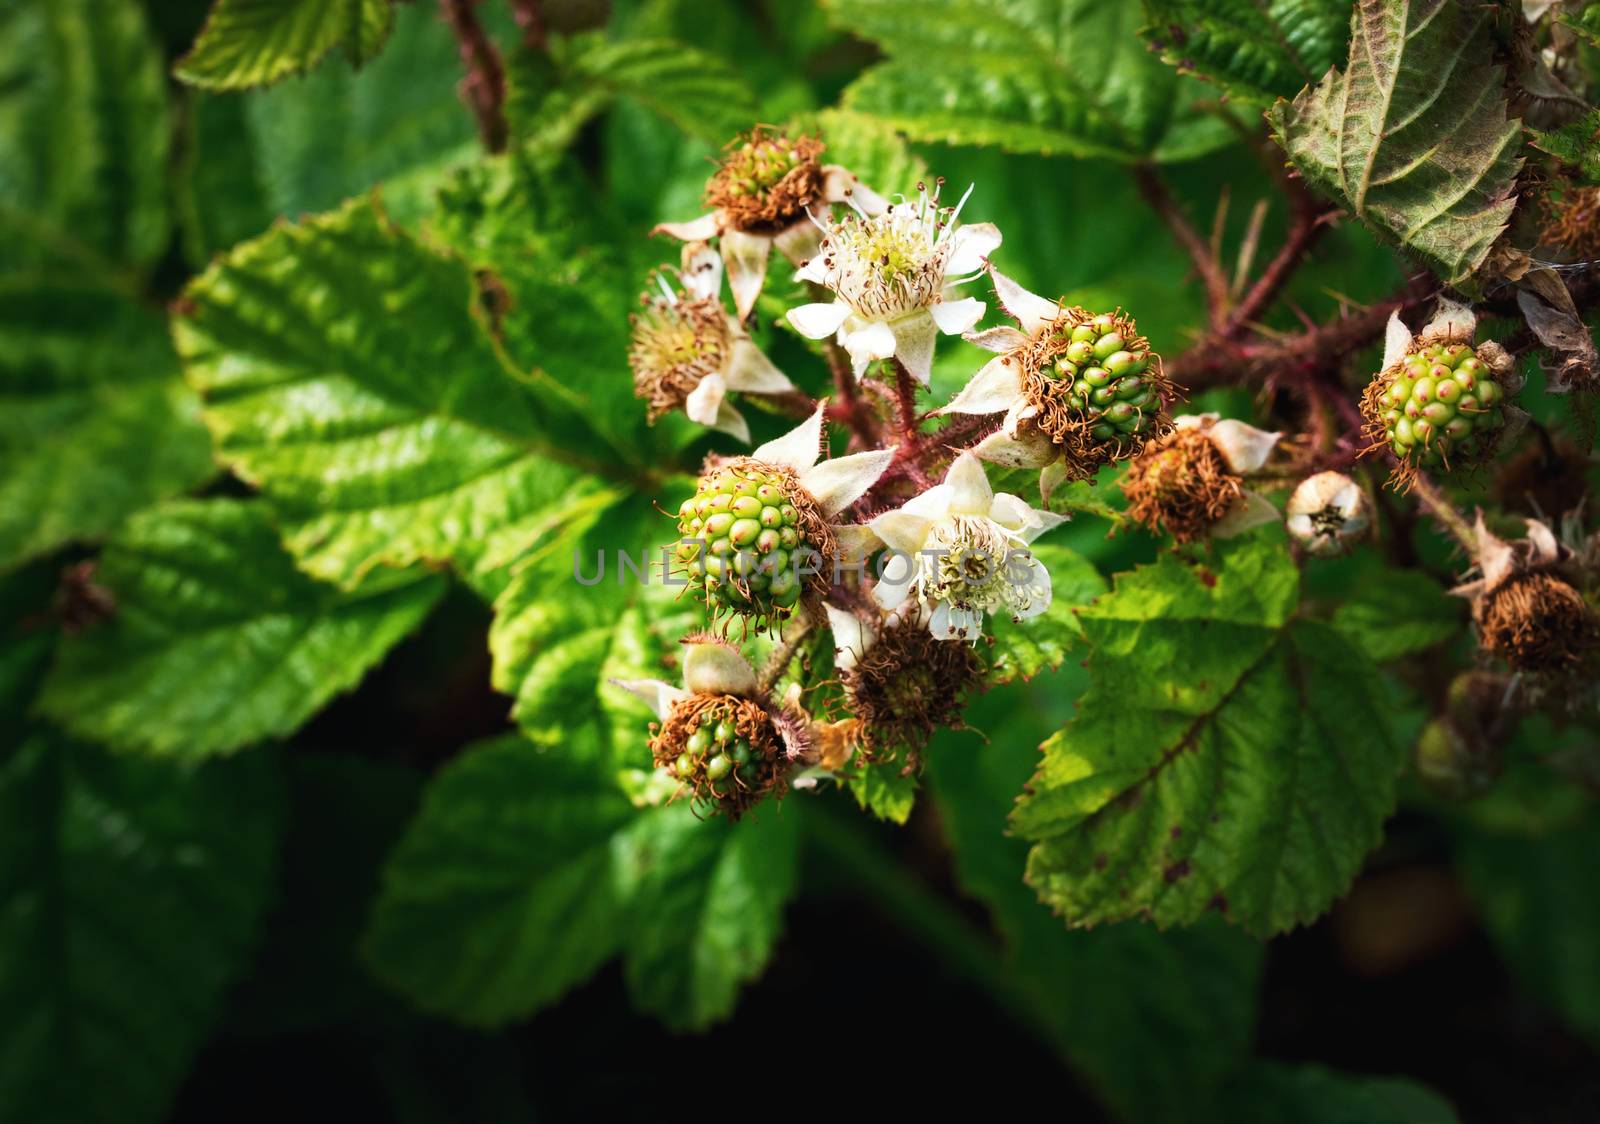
[(501, 895), (1223, 760), (1271, 1092), (95, 421), (1024, 649), (1574, 144), (217, 640), (1112, 996), (407, 440), (83, 137), (554, 94), (1257, 50), (258, 42), (1060, 77), (528, 868), (885, 789), (1395, 613), (1412, 137), (132, 892), (707, 908)]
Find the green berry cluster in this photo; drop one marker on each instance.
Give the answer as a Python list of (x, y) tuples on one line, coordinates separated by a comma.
[(742, 542), (1442, 405), (1109, 379), (715, 761)]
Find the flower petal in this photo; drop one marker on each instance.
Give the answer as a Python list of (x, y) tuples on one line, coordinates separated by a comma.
[(1252, 510), (701, 274), (1003, 339), (801, 242), (992, 390), (1244, 447), (1396, 341), (852, 636), (1040, 591), (901, 530), (813, 269), (731, 421), (970, 493), (1050, 478), (1031, 310), (657, 695), (751, 371), (856, 541), (891, 590), (1194, 421), (971, 246), (954, 317), (818, 321), (1027, 523), (839, 185), (695, 230), (705, 400), (914, 338), (799, 448), (874, 340), (745, 255), (836, 484), (714, 668), (932, 504), (1030, 450)]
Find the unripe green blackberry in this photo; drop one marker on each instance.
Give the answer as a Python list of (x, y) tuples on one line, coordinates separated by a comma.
[(746, 540), (1095, 387), (1106, 381), (724, 749), (1439, 407)]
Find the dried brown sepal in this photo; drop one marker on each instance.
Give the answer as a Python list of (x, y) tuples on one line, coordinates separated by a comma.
[(739, 789), (1538, 622), (1570, 222), (674, 346), (1072, 429), (906, 685), (1181, 485), (766, 181)]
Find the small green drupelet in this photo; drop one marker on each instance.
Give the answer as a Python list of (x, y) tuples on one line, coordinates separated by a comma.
[(716, 760), (1108, 383), (1442, 405), (742, 544)]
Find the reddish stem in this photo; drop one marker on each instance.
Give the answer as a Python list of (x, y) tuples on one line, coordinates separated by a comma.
[(484, 87), (530, 17)]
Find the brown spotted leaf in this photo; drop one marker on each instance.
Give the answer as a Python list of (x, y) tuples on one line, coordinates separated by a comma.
[(1224, 758), (1412, 137)]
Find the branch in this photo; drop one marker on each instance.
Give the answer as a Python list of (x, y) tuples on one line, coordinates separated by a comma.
[(783, 654), (1184, 233), (1445, 512), (530, 17), (484, 87)]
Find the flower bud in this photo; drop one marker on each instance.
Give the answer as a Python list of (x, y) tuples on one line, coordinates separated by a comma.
[(1327, 513)]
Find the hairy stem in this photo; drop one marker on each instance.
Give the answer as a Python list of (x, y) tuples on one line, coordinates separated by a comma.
[(1445, 512), (484, 87), (793, 633)]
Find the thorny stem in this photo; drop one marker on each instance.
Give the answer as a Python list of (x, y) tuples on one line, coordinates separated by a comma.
[(1445, 512), (1155, 193), (484, 87)]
